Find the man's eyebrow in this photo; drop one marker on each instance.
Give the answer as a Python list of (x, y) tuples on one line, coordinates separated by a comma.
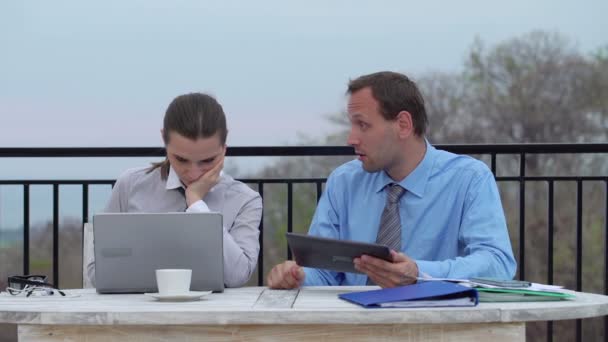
[(356, 115)]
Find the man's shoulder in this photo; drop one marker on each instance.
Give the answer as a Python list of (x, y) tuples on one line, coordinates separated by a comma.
[(463, 165), (351, 175), (349, 171)]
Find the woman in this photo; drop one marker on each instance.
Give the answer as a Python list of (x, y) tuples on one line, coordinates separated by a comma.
[(191, 179)]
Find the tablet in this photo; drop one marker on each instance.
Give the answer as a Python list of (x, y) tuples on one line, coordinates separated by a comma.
[(332, 254)]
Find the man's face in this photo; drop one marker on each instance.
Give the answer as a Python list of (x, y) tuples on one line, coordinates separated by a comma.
[(373, 137), (193, 158)]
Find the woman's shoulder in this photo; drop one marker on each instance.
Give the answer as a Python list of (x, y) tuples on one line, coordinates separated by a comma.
[(138, 175), (234, 187)]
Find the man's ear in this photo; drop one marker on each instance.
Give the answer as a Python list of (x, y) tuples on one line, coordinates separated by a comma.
[(405, 124)]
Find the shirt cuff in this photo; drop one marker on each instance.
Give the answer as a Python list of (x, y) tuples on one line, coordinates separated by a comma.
[(428, 269), (198, 207), (201, 207), (312, 277)]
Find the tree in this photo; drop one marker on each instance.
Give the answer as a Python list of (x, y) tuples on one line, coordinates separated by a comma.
[(534, 88)]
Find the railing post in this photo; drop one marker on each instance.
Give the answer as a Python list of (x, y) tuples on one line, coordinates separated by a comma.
[(289, 214), (261, 239), (579, 250), (56, 235), (522, 216), (26, 228), (550, 234)]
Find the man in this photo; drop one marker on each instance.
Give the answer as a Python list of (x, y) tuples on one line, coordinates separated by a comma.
[(439, 212)]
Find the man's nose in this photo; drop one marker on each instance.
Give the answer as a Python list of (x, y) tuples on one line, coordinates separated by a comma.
[(352, 139)]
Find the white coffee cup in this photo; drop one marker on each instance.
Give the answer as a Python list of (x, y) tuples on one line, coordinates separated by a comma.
[(173, 281)]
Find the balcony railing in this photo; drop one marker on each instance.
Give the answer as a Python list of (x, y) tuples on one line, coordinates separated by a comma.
[(487, 152)]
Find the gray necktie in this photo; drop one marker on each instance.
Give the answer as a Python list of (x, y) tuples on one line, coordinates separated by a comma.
[(390, 224), (182, 191), (389, 232)]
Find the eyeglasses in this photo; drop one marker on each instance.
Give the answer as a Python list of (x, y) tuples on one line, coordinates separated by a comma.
[(30, 284)]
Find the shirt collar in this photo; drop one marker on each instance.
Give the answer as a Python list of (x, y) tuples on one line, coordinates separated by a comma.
[(173, 181), (416, 181)]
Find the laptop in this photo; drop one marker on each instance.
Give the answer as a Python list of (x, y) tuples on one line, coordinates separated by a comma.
[(129, 247)]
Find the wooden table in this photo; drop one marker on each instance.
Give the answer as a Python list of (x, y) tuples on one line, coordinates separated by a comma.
[(258, 313)]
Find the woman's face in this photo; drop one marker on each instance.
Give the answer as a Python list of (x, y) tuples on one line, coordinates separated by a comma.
[(193, 158)]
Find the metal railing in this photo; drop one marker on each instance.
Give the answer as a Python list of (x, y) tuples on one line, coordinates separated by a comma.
[(491, 150)]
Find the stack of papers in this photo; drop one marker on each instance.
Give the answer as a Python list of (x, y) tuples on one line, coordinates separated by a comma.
[(519, 295), (444, 292), (531, 292)]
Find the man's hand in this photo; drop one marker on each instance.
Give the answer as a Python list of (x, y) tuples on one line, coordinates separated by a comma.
[(200, 187), (287, 275), (402, 271)]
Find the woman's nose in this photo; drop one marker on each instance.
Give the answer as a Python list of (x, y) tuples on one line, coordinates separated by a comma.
[(195, 172)]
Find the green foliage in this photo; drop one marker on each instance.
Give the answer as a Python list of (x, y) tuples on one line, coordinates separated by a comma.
[(37, 265)]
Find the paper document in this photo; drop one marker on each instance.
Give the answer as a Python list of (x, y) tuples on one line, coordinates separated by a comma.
[(520, 295), (465, 301), (467, 282)]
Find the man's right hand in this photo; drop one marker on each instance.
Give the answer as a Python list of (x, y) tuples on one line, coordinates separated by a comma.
[(287, 275)]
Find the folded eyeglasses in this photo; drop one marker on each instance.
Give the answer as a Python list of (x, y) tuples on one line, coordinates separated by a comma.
[(31, 284)]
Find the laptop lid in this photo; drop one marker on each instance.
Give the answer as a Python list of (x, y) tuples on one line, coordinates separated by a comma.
[(129, 247)]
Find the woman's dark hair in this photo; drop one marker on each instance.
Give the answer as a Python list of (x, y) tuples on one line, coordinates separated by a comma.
[(394, 92), (192, 116)]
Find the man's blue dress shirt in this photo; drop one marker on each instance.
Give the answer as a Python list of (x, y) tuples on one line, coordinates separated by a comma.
[(452, 221)]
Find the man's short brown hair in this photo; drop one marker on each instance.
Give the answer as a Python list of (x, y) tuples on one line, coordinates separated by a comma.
[(395, 93)]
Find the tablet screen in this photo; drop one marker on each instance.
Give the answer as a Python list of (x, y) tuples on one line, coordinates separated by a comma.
[(332, 254)]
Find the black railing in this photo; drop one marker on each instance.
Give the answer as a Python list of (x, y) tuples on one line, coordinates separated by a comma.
[(521, 150)]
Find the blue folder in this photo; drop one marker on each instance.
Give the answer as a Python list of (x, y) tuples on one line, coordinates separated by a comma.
[(423, 294)]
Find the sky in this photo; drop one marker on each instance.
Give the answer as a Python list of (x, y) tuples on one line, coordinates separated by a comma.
[(81, 73)]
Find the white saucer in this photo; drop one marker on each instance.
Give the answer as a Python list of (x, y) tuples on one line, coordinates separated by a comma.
[(182, 297)]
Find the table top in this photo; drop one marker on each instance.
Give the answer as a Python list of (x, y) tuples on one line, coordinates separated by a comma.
[(260, 305)]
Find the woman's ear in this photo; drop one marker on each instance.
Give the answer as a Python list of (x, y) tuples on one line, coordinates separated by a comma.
[(162, 135)]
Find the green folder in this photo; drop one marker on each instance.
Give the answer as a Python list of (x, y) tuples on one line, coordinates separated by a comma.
[(517, 295)]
